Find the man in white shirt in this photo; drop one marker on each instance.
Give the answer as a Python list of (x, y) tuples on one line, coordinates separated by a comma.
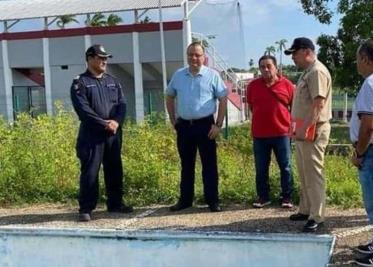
[(361, 134)]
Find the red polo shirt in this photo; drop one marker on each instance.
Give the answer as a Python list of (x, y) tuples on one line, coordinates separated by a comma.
[(270, 116)]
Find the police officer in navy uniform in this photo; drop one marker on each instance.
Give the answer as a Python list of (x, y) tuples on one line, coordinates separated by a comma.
[(98, 100)]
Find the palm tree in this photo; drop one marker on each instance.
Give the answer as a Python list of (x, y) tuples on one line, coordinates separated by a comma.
[(281, 46), (98, 20), (270, 50), (66, 19), (145, 20), (251, 62), (113, 20)]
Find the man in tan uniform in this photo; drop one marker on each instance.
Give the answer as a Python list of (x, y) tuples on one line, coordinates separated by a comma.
[(312, 105)]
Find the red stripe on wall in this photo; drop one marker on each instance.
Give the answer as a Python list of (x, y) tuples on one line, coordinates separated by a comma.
[(33, 75), (146, 27)]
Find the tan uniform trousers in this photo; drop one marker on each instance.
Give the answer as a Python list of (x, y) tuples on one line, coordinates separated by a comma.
[(310, 164)]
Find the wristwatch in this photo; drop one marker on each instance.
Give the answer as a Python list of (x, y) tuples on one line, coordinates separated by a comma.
[(219, 124)]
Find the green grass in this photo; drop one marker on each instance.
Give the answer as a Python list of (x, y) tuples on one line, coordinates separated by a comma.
[(339, 133), (339, 102), (38, 164)]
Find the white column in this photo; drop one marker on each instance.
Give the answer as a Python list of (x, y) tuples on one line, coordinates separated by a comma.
[(136, 14), (8, 81), (87, 38), (345, 108), (47, 77), (187, 31), (137, 70), (163, 50), (87, 41)]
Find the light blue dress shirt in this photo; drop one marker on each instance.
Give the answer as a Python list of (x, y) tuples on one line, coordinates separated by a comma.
[(196, 95)]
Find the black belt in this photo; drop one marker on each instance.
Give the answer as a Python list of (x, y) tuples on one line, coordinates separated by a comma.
[(209, 118)]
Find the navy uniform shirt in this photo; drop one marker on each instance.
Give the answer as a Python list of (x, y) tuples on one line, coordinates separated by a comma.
[(96, 100)]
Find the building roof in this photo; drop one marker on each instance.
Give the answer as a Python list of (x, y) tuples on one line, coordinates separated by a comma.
[(29, 9)]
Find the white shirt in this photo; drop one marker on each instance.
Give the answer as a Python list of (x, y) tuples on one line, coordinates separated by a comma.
[(363, 105)]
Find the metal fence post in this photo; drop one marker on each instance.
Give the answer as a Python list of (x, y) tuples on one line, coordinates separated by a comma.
[(345, 108), (226, 125)]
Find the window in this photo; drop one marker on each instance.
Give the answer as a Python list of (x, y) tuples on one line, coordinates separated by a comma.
[(30, 99)]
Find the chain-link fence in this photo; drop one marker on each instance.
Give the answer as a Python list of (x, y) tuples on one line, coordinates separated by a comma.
[(342, 107)]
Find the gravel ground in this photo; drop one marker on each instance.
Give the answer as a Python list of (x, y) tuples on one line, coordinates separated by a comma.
[(350, 226)]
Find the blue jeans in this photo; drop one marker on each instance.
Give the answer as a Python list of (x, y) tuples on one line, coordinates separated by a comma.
[(262, 152), (366, 181)]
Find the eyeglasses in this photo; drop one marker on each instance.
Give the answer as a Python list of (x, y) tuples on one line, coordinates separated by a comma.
[(195, 55)]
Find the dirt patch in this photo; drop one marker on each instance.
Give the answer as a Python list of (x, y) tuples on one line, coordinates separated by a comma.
[(350, 226)]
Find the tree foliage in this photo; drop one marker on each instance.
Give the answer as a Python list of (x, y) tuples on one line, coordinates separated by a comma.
[(270, 50), (100, 20), (145, 20), (338, 52), (251, 62), (113, 20), (66, 19), (318, 8), (280, 47)]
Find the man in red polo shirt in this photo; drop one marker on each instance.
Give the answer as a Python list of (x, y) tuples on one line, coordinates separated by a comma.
[(269, 98)]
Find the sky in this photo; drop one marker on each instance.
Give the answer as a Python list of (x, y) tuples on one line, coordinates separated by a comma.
[(263, 23)]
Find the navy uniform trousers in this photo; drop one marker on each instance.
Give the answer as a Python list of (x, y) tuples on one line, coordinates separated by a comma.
[(193, 135), (107, 152)]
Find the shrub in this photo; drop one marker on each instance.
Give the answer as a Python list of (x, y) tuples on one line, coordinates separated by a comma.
[(38, 164), (151, 163), (37, 159)]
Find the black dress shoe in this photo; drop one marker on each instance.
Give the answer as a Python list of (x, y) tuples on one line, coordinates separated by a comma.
[(299, 217), (121, 209), (84, 217), (180, 206), (215, 207), (311, 226)]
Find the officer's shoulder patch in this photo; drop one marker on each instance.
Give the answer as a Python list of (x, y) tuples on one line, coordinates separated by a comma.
[(76, 79), (76, 82)]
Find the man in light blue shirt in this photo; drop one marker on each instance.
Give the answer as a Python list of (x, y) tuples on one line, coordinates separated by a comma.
[(196, 89)]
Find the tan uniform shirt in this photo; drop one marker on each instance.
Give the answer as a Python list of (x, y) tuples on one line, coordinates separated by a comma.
[(314, 81)]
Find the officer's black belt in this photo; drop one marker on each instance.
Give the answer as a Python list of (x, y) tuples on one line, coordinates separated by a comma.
[(209, 118)]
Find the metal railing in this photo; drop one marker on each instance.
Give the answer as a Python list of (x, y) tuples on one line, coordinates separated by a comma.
[(218, 63)]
